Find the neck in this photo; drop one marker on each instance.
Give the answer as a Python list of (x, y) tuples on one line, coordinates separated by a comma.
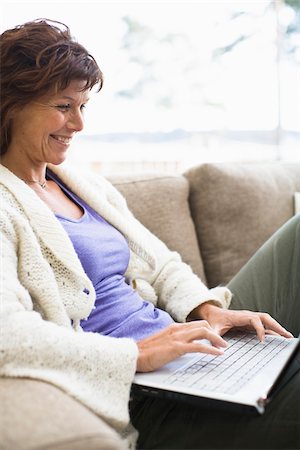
[(24, 171)]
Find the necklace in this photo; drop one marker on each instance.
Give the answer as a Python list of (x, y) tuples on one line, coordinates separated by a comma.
[(43, 184)]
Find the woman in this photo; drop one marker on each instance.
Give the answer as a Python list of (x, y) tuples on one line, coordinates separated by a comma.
[(75, 258)]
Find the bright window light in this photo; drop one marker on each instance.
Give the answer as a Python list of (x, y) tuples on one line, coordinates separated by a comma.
[(184, 81)]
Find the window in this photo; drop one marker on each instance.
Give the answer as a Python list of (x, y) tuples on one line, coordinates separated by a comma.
[(185, 81)]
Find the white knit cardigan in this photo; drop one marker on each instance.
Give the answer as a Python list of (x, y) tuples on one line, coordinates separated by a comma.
[(45, 293)]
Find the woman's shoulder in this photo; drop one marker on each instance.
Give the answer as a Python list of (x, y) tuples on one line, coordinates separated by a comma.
[(11, 188), (12, 215)]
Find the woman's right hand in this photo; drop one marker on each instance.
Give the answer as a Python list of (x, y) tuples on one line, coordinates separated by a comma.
[(176, 340)]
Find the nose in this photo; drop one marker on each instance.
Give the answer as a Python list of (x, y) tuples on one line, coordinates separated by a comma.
[(76, 121)]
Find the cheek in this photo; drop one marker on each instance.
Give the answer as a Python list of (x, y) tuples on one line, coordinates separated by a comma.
[(50, 124), (55, 121), (27, 132)]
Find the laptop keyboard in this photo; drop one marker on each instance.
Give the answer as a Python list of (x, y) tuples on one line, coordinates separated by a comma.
[(244, 357)]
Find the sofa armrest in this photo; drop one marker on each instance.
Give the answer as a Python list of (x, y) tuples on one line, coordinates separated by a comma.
[(36, 415)]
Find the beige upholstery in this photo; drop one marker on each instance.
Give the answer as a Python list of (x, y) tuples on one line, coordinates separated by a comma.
[(35, 415), (160, 202), (236, 207)]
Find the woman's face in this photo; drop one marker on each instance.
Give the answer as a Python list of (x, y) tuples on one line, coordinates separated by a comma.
[(43, 129)]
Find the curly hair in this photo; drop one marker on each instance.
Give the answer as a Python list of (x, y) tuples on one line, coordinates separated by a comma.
[(36, 58)]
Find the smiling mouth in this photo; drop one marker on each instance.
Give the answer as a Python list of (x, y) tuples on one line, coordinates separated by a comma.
[(62, 139)]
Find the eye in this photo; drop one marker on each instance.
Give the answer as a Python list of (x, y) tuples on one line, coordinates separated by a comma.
[(82, 107), (65, 107)]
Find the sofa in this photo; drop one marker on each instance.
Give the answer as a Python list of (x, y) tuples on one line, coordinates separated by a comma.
[(215, 216)]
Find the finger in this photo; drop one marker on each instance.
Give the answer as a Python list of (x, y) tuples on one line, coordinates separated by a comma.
[(197, 347), (194, 330), (257, 324), (174, 331), (273, 333), (272, 324), (202, 333), (195, 325)]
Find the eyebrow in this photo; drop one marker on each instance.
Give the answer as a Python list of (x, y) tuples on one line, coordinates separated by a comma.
[(71, 98)]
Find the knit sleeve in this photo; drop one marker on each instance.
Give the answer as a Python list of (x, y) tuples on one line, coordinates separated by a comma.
[(94, 369), (178, 288)]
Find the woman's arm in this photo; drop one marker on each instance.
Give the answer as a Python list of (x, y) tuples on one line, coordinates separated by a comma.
[(96, 370)]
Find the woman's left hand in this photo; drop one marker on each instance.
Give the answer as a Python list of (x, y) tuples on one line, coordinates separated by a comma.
[(223, 320)]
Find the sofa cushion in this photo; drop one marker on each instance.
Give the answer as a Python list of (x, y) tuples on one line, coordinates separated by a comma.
[(236, 207), (36, 415), (160, 202)]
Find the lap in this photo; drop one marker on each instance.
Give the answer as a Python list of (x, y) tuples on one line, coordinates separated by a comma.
[(165, 424)]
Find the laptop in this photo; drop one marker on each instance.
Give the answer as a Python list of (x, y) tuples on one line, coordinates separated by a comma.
[(245, 378)]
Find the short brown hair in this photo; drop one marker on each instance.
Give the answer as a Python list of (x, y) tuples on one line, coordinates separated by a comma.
[(38, 57)]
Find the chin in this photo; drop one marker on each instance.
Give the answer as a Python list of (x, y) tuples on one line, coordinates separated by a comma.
[(57, 161)]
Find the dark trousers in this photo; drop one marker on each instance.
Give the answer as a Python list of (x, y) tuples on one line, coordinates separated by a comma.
[(269, 282)]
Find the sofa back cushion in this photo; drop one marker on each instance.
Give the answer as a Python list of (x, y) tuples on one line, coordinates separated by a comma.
[(160, 202), (236, 208)]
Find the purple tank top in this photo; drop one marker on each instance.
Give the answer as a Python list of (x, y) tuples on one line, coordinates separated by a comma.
[(104, 254)]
